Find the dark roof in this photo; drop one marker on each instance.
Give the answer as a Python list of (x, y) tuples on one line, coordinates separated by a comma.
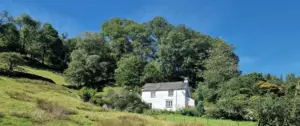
[(164, 86)]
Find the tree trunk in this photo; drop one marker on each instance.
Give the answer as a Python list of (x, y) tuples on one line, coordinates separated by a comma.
[(11, 68)]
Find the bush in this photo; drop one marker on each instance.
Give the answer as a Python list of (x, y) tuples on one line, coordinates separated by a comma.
[(189, 111), (120, 99), (86, 93), (11, 60), (213, 112), (273, 111), (54, 110), (157, 112), (230, 107), (200, 108)]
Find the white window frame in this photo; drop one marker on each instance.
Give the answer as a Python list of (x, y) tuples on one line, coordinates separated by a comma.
[(169, 103), (170, 93), (153, 94)]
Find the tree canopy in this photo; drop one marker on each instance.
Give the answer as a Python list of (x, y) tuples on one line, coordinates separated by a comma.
[(129, 54)]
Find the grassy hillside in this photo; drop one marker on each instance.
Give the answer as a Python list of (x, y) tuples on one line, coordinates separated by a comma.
[(32, 102), (56, 77), (205, 121), (29, 102)]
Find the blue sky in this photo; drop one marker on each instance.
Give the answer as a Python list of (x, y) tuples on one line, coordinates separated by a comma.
[(265, 32)]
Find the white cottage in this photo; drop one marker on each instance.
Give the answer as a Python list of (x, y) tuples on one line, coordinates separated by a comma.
[(168, 95)]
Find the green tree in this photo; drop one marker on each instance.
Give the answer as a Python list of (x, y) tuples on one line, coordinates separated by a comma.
[(222, 65), (159, 27), (51, 45), (129, 72), (91, 63), (114, 31), (152, 73), (11, 60), (181, 52), (9, 34), (9, 40), (127, 37)]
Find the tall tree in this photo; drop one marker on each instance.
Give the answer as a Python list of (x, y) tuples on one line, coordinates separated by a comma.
[(114, 32), (153, 73), (91, 63), (221, 66), (129, 72), (29, 32)]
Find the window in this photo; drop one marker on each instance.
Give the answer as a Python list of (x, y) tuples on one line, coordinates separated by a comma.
[(153, 94), (170, 93), (169, 104)]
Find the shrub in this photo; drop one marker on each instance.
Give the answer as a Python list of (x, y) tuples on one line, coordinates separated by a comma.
[(11, 60), (120, 99), (20, 96), (21, 114), (274, 111), (231, 107), (54, 110), (200, 108), (157, 112), (189, 111), (86, 93), (214, 112), (266, 87)]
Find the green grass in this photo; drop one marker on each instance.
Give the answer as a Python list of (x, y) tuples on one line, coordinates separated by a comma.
[(56, 77), (205, 121), (20, 105)]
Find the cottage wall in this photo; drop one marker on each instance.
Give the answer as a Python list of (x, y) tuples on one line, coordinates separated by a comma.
[(159, 102)]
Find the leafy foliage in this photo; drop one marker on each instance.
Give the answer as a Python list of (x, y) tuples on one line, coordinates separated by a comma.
[(91, 65), (189, 112), (129, 72), (121, 99), (129, 54), (11, 60), (86, 93)]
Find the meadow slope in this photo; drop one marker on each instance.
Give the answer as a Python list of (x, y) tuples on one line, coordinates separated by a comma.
[(31, 102)]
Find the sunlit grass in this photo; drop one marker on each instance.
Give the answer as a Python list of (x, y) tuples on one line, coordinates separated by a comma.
[(19, 105), (205, 121), (56, 77)]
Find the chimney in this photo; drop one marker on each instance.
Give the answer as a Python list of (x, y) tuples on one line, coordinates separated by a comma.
[(186, 80)]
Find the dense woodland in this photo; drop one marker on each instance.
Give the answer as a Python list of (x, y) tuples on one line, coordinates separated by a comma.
[(125, 55)]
